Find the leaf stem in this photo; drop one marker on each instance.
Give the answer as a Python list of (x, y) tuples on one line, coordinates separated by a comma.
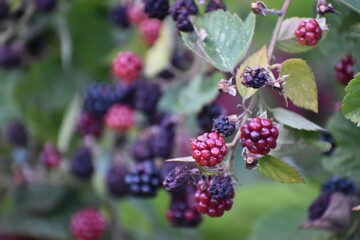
[(277, 29)]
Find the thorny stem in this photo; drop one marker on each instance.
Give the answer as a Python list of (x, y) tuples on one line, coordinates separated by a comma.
[(277, 29)]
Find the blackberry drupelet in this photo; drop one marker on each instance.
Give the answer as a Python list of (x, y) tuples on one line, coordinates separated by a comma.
[(157, 8), (115, 180), (81, 164), (119, 17), (224, 126)]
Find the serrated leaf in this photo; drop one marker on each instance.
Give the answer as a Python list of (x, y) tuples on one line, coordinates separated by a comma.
[(158, 56), (294, 120), (353, 4), (278, 171), (345, 132), (227, 38), (257, 59), (286, 40), (300, 85), (351, 101)]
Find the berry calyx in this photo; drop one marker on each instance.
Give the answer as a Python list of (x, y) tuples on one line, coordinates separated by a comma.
[(120, 117), (50, 156), (209, 149), (259, 135), (308, 32), (127, 67), (88, 224), (224, 126), (150, 30), (345, 69), (157, 8), (255, 77)]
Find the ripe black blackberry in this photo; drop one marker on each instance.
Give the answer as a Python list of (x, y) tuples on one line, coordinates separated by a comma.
[(255, 77), (224, 126), (207, 114), (319, 206), (336, 184), (37, 46), (183, 214), (144, 179), (157, 8), (221, 187), (118, 16), (99, 97), (10, 56), (115, 180), (147, 96), (177, 179), (17, 134), (141, 149), (82, 165), (215, 5), (45, 6), (4, 9), (162, 142), (181, 11)]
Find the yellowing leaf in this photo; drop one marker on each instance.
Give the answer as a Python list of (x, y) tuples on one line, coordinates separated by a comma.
[(278, 171), (300, 85), (257, 59)]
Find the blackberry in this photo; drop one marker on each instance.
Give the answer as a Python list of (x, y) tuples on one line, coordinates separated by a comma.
[(327, 137), (120, 117), (136, 14), (89, 124), (157, 8), (10, 56), (319, 206), (308, 32), (215, 5), (207, 114), (336, 184), (4, 9), (220, 187), (118, 16), (99, 97), (45, 6), (255, 77), (50, 156), (147, 96), (88, 224), (162, 142), (345, 69), (183, 214), (82, 165), (224, 126), (37, 46), (141, 149), (177, 179), (115, 180), (259, 135), (144, 179), (150, 30), (180, 12), (209, 149), (127, 67), (17, 134)]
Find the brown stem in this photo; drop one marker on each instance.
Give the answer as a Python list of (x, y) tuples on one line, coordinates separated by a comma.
[(277, 29)]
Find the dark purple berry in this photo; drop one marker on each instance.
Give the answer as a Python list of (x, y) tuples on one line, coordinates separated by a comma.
[(141, 149), (177, 180), (82, 165), (327, 137), (221, 187), (157, 8), (255, 77), (115, 180), (319, 206), (162, 142), (118, 16), (45, 6), (10, 56), (336, 184), (215, 5), (147, 96), (50, 156), (17, 134), (207, 114), (181, 11), (224, 126), (89, 124)]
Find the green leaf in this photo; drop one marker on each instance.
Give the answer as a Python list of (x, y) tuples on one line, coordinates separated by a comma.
[(353, 4), (257, 59), (158, 57), (300, 85), (227, 38), (294, 120), (351, 101), (286, 40), (278, 171), (189, 99)]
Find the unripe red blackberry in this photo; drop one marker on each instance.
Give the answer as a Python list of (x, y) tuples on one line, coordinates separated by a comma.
[(88, 224), (17, 134), (157, 8), (144, 179), (215, 5), (182, 214), (89, 124), (255, 77), (115, 180), (209, 149), (127, 67), (208, 204), (118, 16), (308, 32), (150, 30), (81, 164), (224, 126), (120, 117), (50, 156), (259, 135), (345, 69), (136, 13)]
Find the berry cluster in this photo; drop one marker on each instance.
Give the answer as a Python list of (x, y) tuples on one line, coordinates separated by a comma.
[(259, 135), (308, 32), (88, 224), (181, 11), (255, 77), (345, 69), (336, 184), (157, 8)]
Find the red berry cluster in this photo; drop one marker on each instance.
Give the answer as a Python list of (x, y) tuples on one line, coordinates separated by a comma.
[(345, 69), (209, 149), (120, 117), (259, 135), (210, 205), (308, 32), (127, 66), (87, 224), (150, 30)]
